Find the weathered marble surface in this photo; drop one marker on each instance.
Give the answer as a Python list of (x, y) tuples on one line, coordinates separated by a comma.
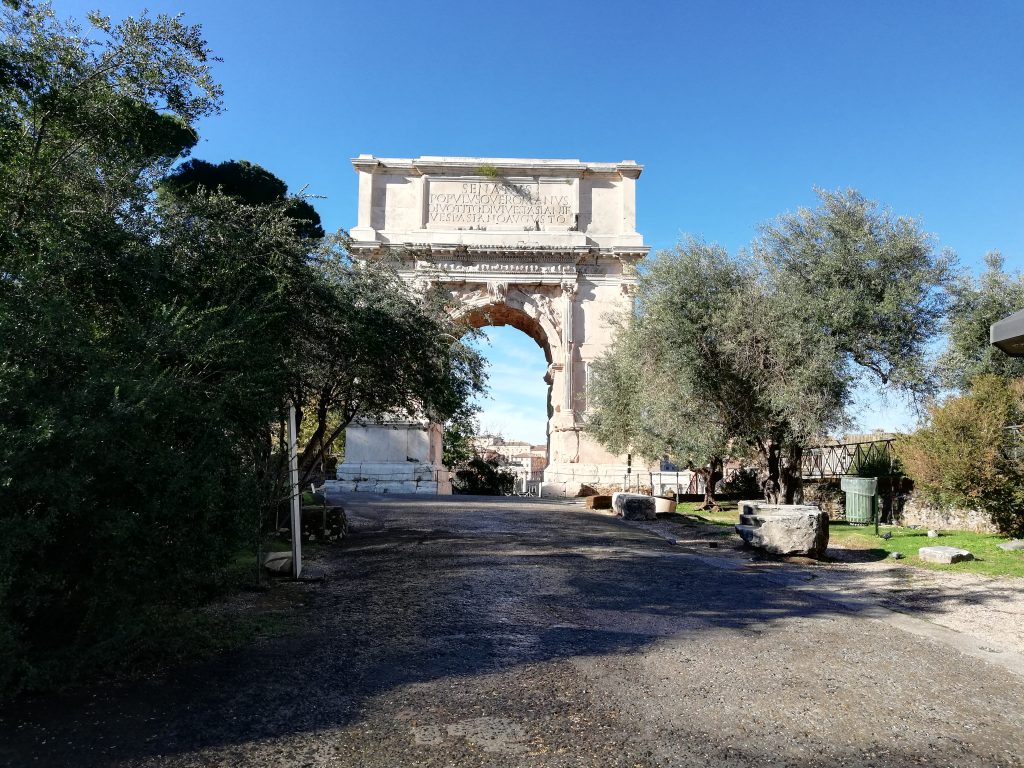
[(784, 529), (634, 506), (547, 246), (945, 555)]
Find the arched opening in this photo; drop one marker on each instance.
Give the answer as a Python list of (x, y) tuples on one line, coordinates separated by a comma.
[(516, 410)]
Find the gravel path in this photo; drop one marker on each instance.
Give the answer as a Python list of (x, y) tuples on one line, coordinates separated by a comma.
[(988, 609), (469, 632)]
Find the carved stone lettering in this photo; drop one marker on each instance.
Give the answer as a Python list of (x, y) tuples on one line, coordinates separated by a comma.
[(501, 204)]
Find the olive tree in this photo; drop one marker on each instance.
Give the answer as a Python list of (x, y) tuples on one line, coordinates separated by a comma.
[(761, 352), (976, 304), (667, 387)]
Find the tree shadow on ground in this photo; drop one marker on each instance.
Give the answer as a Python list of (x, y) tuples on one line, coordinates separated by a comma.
[(423, 596)]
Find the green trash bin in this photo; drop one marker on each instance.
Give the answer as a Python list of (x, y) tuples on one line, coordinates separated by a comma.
[(861, 499)]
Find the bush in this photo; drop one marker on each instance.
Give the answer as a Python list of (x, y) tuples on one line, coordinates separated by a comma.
[(875, 465), (484, 478), (964, 456), (743, 483)]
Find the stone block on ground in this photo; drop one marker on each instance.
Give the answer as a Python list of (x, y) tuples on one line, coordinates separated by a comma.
[(598, 502), (663, 505), (944, 555), (1011, 546), (278, 562), (634, 506), (784, 529)]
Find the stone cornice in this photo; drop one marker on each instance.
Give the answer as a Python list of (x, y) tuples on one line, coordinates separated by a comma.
[(517, 252), (437, 165)]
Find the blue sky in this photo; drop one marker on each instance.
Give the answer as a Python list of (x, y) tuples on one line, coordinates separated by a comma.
[(737, 110)]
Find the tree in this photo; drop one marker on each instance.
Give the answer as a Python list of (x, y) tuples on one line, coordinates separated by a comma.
[(666, 388), (146, 347), (245, 181), (459, 432), (977, 303), (761, 352), (375, 348), (964, 455), (870, 280)]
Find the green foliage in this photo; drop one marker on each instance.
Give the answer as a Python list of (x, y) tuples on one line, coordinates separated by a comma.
[(760, 353), (483, 477), (458, 439), (151, 341), (371, 347), (964, 457), (244, 181), (743, 483), (868, 280), (875, 464), (127, 396), (977, 303), (662, 388)]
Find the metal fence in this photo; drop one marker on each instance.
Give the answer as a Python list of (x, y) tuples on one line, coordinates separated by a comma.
[(832, 461)]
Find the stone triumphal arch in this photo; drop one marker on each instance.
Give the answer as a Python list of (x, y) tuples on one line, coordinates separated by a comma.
[(547, 246)]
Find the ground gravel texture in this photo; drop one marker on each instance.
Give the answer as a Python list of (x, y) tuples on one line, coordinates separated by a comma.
[(504, 632), (988, 609)]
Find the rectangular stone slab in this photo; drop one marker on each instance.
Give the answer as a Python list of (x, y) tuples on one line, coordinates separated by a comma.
[(633, 506), (944, 555)]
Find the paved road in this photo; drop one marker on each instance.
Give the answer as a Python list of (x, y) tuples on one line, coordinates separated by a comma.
[(462, 632)]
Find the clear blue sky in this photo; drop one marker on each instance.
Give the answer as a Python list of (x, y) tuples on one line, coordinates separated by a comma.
[(737, 109)]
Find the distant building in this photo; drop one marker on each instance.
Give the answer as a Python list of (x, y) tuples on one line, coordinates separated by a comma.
[(526, 460)]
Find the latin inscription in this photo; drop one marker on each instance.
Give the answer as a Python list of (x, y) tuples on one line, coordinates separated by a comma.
[(482, 203), (511, 267)]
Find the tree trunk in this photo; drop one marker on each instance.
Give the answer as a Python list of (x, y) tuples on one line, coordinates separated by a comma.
[(771, 485), (324, 444), (792, 475), (711, 475)]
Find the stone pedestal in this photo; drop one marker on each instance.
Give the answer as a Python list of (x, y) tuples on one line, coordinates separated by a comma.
[(784, 529), (393, 457)]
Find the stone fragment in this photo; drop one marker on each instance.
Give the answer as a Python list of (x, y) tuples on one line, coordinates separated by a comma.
[(933, 534), (278, 562), (1010, 546), (633, 506), (896, 555), (944, 554), (784, 529), (663, 505), (598, 502)]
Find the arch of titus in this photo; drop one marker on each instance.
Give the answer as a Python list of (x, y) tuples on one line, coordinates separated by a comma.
[(547, 246)]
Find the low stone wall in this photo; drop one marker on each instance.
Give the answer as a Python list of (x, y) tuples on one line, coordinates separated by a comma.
[(828, 496), (916, 512)]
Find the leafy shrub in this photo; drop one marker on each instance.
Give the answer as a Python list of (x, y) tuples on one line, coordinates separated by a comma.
[(964, 456), (875, 465), (743, 482), (483, 477)]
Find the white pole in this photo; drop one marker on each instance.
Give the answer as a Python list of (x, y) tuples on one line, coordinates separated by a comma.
[(293, 481)]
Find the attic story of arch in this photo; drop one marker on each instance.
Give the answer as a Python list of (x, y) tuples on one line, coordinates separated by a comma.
[(547, 246)]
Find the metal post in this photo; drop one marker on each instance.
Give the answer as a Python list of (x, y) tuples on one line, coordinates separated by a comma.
[(293, 482)]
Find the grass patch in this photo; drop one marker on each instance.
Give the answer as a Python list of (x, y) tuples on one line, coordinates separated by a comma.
[(989, 559), (727, 515)]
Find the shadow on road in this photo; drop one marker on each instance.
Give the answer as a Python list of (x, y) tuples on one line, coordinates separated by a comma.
[(422, 591)]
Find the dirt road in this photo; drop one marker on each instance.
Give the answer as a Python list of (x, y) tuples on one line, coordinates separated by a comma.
[(502, 632)]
